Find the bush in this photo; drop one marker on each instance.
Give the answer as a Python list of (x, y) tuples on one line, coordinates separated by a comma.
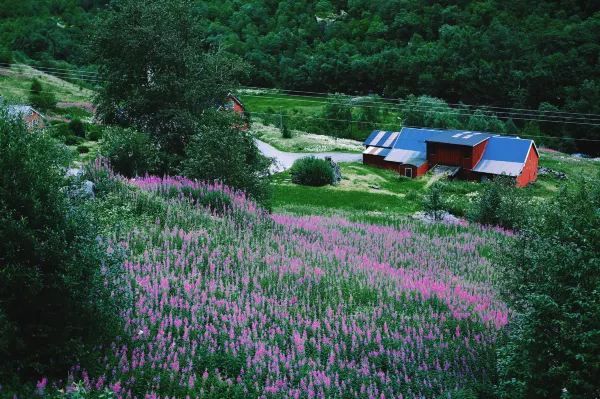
[(500, 203), (82, 149), (130, 152), (54, 306), (551, 281), (73, 140), (240, 165), (311, 171), (6, 56), (216, 200), (41, 97), (77, 127), (434, 201), (286, 133), (94, 133)]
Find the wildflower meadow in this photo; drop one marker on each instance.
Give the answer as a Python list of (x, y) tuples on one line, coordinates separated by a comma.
[(227, 300)]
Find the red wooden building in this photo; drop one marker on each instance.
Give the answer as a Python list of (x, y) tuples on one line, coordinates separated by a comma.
[(469, 155)]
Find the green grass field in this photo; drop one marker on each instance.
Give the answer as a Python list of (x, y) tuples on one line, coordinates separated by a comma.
[(370, 193), (15, 85), (264, 102)]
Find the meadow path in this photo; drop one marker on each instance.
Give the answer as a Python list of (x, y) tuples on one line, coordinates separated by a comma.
[(284, 160)]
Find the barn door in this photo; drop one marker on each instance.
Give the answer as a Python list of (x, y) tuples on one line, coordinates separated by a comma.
[(408, 172)]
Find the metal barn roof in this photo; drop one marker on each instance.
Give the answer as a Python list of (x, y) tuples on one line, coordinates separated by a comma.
[(381, 138), (504, 155), (416, 158), (411, 146), (382, 152), (460, 137), (19, 110)]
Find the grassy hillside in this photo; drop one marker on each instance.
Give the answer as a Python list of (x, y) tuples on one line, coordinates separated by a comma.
[(370, 192), (15, 85), (237, 303)]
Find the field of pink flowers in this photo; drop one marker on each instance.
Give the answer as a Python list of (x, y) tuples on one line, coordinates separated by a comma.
[(240, 303)]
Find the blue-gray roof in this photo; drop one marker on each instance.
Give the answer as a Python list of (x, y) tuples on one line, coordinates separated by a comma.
[(411, 147), (505, 155), (460, 137), (18, 110), (509, 149)]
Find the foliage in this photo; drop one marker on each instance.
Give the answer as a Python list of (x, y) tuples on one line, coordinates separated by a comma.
[(55, 304), (500, 203), (311, 171), (219, 151), (252, 293), (551, 281), (77, 127), (434, 201), (337, 116), (160, 76), (82, 149), (130, 152), (286, 133), (94, 132), (41, 97)]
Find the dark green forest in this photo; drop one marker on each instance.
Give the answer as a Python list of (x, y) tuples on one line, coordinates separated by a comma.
[(536, 55)]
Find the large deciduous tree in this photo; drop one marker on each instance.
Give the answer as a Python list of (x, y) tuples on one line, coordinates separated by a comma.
[(552, 282), (158, 73)]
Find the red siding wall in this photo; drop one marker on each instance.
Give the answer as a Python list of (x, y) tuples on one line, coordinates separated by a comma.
[(448, 154), (478, 151), (34, 120), (377, 160), (529, 173)]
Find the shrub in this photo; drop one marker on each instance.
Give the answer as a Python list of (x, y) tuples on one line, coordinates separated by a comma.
[(551, 281), (82, 149), (286, 133), (500, 203), (434, 201), (311, 171), (130, 152), (54, 306), (77, 127), (41, 97), (73, 140), (94, 133), (6, 56), (240, 165)]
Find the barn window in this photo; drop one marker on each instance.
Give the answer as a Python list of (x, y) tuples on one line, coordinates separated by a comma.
[(408, 172)]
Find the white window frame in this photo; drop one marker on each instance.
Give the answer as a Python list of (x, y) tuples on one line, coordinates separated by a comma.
[(408, 172)]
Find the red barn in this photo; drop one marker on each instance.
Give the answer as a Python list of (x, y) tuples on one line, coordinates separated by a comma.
[(470, 155), (510, 156), (31, 117), (379, 144), (232, 103)]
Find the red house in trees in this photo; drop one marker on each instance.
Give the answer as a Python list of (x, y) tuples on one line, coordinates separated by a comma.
[(469, 155), (233, 103)]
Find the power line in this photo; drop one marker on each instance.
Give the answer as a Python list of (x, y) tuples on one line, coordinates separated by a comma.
[(511, 112), (84, 75), (65, 70), (58, 75), (511, 115), (400, 99), (44, 91), (417, 127)]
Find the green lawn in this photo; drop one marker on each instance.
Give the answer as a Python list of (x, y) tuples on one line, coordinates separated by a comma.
[(264, 102), (370, 193)]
